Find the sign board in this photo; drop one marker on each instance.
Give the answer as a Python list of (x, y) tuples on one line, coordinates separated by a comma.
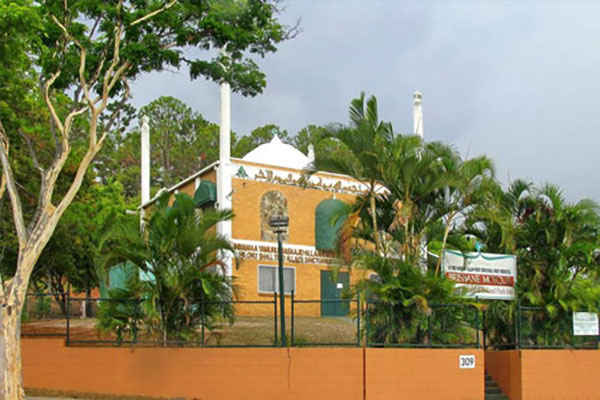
[(482, 275), (466, 361), (585, 324)]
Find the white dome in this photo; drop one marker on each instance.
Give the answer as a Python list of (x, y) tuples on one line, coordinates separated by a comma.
[(279, 154)]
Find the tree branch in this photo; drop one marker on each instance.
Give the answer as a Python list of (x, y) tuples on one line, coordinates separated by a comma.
[(93, 30), (12, 189), (82, 57), (77, 181), (2, 186), (50, 176), (53, 133), (153, 13), (32, 154), (55, 118), (116, 111), (108, 76)]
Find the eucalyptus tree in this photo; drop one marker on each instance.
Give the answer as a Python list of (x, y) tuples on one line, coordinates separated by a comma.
[(83, 54)]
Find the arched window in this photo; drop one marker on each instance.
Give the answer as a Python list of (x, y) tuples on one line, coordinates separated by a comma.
[(327, 223), (205, 194), (272, 204)]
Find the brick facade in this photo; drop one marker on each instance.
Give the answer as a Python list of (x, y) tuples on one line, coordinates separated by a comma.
[(301, 206)]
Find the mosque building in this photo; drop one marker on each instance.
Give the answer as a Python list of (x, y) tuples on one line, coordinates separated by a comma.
[(271, 181)]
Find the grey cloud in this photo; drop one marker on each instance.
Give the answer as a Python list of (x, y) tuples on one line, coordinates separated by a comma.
[(518, 81)]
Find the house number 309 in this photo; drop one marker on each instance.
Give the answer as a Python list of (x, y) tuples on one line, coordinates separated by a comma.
[(466, 361)]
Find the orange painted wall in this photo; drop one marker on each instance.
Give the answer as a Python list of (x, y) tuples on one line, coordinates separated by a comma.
[(246, 373), (423, 374), (560, 374), (207, 374), (505, 368)]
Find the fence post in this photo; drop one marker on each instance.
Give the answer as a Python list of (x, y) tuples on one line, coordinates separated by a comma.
[(478, 327), (68, 307), (292, 327), (135, 319), (367, 321), (518, 324), (275, 318), (483, 328), (358, 311), (429, 330), (203, 318), (572, 333)]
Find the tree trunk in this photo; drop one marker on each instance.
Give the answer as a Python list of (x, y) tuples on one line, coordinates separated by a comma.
[(11, 380), (374, 220), (444, 241), (12, 301), (87, 304)]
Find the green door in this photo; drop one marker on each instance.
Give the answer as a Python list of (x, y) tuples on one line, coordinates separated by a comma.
[(331, 290)]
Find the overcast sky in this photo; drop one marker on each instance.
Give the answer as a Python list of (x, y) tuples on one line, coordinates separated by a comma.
[(516, 80)]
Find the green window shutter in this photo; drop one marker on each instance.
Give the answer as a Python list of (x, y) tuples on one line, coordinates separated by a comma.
[(328, 223), (118, 276), (206, 193)]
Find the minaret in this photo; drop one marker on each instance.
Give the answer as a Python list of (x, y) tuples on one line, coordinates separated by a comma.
[(225, 124), (418, 115), (145, 158), (418, 130), (311, 154), (145, 166), (224, 170)]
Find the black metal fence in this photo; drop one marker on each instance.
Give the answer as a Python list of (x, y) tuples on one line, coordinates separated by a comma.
[(529, 327), (436, 326), (538, 328), (362, 322), (95, 321), (332, 333)]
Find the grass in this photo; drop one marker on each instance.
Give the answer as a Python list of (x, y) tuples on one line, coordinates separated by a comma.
[(246, 331)]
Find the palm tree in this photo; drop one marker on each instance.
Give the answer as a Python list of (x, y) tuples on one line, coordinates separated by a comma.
[(472, 179), (416, 175), (182, 258), (557, 245), (364, 139)]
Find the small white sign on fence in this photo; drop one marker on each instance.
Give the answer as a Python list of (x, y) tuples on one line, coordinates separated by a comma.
[(585, 324), (466, 361)]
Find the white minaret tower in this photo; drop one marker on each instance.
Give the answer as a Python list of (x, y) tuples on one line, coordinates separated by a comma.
[(224, 170), (418, 130), (418, 115), (145, 161)]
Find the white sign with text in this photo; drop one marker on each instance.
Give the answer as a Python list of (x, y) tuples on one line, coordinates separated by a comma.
[(585, 324), (482, 275)]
